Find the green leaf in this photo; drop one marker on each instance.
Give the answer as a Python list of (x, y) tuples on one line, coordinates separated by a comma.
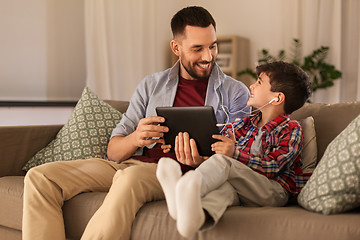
[(320, 72)]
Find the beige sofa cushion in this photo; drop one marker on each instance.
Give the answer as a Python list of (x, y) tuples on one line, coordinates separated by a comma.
[(270, 223), (11, 194), (309, 151), (78, 211)]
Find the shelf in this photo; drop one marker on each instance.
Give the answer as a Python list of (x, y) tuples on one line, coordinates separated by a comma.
[(234, 51)]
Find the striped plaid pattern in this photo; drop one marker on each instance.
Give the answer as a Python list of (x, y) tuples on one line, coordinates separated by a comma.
[(282, 142)]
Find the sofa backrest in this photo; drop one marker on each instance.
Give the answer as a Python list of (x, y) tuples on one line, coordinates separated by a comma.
[(20, 143), (121, 106), (329, 119)]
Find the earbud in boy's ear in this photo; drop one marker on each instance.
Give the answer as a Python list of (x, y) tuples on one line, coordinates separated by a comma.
[(274, 100)]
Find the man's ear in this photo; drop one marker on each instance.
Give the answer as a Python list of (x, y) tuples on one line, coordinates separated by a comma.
[(175, 47)]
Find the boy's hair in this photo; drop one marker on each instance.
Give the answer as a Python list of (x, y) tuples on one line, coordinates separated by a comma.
[(289, 79), (192, 16)]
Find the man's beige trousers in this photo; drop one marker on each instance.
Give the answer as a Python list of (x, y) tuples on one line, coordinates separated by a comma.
[(129, 184)]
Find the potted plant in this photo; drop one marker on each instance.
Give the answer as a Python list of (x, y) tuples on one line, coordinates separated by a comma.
[(321, 73)]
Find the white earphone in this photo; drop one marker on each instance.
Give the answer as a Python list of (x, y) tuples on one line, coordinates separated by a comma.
[(227, 113), (276, 99)]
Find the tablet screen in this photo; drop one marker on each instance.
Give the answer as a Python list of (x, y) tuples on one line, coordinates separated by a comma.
[(199, 122)]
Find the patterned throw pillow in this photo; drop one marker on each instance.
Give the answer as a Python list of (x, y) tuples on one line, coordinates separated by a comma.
[(85, 135), (334, 186)]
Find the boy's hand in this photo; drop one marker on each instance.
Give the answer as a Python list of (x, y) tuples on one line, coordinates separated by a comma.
[(225, 146), (166, 148)]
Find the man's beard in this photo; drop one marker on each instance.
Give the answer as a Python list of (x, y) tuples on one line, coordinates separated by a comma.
[(193, 73)]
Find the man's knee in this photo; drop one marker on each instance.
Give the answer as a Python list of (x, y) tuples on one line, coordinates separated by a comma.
[(39, 176), (35, 173), (136, 172), (138, 179)]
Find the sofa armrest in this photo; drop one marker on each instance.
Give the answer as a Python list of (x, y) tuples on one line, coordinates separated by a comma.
[(20, 143)]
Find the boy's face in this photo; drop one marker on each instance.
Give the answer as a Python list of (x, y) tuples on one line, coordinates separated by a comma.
[(260, 92), (197, 50)]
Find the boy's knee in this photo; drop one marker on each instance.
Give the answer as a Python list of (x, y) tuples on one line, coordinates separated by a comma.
[(220, 160)]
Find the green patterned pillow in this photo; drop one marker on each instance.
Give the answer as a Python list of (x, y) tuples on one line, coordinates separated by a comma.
[(85, 135), (334, 186)]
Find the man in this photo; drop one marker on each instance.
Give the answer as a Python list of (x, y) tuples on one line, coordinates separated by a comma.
[(193, 81)]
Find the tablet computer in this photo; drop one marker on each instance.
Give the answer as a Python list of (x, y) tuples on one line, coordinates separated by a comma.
[(199, 122)]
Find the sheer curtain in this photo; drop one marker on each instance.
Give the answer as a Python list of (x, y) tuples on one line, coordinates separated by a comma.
[(350, 53), (120, 40), (333, 23)]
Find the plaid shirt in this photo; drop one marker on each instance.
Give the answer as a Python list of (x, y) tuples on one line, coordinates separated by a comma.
[(282, 142)]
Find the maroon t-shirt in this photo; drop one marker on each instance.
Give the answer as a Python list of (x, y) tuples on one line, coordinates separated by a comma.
[(189, 93)]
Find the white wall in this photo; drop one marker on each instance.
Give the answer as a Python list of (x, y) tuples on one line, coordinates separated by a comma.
[(42, 50)]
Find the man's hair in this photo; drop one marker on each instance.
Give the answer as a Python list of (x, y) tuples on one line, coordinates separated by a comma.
[(192, 16), (289, 79)]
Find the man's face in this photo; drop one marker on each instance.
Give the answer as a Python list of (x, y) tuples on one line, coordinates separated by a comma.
[(197, 51)]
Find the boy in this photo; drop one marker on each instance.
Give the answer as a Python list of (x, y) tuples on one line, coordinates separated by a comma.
[(257, 161)]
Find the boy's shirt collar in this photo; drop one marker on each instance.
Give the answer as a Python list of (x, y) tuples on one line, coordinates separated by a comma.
[(270, 125)]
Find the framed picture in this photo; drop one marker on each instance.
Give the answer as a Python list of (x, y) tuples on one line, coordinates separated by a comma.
[(224, 61)]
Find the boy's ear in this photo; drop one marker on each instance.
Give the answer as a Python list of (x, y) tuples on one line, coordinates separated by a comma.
[(281, 98), (175, 47)]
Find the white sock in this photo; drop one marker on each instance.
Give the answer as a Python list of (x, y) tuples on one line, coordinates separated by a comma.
[(168, 173), (190, 215)]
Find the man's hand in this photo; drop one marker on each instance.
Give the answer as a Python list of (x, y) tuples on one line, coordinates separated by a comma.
[(147, 129), (121, 148), (186, 150), (225, 146)]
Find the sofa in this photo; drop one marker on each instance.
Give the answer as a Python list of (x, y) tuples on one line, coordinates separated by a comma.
[(19, 143)]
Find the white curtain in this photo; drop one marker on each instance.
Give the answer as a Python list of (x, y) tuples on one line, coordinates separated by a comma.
[(121, 45), (333, 23), (350, 53)]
